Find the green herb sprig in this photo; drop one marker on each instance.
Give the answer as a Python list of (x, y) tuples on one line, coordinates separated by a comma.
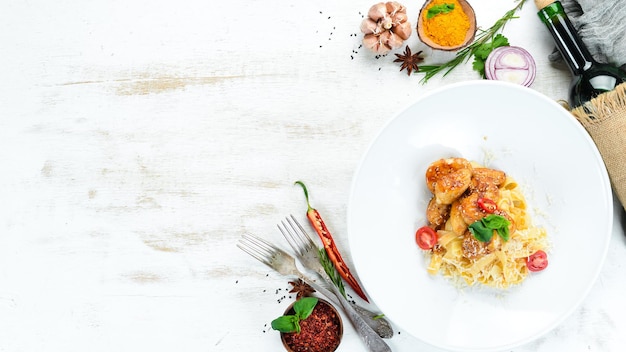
[(291, 323), (330, 269), (483, 228), (466, 53), (483, 51), (439, 9)]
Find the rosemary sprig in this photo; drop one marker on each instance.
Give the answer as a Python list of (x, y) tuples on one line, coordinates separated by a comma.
[(329, 268), (466, 53)]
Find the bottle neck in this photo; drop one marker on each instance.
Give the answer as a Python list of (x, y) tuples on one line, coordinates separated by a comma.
[(571, 47)]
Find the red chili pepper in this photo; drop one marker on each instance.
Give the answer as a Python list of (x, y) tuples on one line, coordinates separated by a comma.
[(329, 245), (488, 205)]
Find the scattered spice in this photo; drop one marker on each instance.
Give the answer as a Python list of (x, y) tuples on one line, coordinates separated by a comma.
[(445, 22), (319, 332), (409, 61), (301, 288), (386, 27)]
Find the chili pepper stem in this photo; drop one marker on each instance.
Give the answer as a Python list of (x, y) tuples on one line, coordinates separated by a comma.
[(329, 245)]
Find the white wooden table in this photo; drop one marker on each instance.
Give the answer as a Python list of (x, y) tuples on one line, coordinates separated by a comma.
[(140, 139)]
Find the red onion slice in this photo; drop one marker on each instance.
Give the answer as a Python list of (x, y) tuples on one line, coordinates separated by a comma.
[(512, 64)]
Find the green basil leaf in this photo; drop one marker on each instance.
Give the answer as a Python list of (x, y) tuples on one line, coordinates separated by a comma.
[(286, 323), (480, 231), (495, 222), (483, 228), (504, 232), (437, 9), (304, 307)]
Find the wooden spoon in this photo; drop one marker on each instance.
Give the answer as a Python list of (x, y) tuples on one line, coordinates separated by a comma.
[(469, 36)]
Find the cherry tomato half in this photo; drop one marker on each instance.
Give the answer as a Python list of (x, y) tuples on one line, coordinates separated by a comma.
[(488, 205), (426, 237), (537, 261)]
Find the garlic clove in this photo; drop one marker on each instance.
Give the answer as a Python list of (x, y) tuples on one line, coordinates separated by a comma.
[(377, 11), (386, 38), (372, 42), (399, 17), (394, 7), (369, 26), (394, 41), (403, 30)]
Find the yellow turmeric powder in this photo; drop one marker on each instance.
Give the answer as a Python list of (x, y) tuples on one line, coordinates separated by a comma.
[(446, 29)]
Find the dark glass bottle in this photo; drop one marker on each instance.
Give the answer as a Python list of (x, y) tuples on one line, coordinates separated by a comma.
[(591, 78)]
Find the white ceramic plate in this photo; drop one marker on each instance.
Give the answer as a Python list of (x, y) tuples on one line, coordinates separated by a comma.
[(504, 126)]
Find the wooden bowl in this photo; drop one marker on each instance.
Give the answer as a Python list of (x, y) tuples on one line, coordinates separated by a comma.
[(320, 334), (469, 36)]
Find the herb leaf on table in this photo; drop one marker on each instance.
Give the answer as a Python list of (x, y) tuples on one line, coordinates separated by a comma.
[(482, 52)]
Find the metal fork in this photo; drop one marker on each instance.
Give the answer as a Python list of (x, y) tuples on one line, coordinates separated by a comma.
[(307, 251), (285, 264), (281, 261), (308, 254)]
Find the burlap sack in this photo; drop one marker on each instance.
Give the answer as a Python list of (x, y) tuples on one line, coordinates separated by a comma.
[(604, 117)]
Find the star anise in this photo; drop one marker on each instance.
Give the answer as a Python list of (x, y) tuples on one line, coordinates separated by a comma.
[(301, 288), (409, 62)]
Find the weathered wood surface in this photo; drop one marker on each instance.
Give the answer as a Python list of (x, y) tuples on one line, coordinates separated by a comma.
[(140, 139)]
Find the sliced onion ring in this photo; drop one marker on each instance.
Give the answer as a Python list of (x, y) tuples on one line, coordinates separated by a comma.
[(512, 64)]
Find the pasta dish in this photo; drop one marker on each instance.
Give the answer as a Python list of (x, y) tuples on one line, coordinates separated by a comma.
[(479, 230)]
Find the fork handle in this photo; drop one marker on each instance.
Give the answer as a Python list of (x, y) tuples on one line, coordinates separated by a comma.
[(372, 341)]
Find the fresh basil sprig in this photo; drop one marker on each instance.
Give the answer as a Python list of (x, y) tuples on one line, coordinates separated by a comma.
[(439, 9), (483, 228), (291, 323)]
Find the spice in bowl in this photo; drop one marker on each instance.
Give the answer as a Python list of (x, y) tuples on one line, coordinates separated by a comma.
[(310, 324), (446, 24)]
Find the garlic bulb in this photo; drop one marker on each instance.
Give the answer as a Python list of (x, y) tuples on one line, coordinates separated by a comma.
[(386, 27)]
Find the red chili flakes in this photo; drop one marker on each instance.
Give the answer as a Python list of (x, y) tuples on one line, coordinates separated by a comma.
[(320, 332)]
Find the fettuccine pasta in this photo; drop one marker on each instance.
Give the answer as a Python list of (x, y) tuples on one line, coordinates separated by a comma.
[(484, 233)]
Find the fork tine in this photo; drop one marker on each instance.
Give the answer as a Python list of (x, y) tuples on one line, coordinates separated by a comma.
[(301, 233), (290, 237), (257, 248)]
